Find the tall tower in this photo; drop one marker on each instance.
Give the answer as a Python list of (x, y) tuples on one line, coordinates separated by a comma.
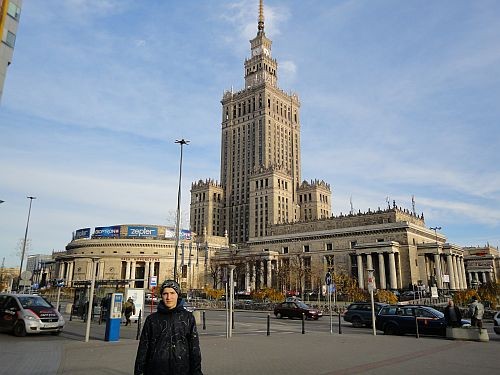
[(10, 12), (260, 147)]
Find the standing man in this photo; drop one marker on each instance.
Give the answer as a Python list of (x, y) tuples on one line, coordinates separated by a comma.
[(476, 311), (452, 315), (169, 343), (129, 310)]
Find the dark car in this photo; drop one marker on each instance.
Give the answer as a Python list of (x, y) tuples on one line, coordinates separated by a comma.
[(25, 313), (295, 309), (398, 320), (496, 323), (360, 313)]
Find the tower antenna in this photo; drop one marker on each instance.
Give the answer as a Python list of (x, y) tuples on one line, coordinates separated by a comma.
[(413, 205), (261, 17), (352, 208)]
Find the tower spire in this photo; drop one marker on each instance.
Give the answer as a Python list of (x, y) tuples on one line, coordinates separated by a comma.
[(261, 17)]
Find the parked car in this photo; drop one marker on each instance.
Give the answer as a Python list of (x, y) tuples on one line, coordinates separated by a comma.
[(295, 309), (25, 313), (151, 298), (360, 313), (496, 323), (398, 320)]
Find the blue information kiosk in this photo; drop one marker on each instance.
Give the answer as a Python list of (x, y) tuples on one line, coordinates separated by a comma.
[(115, 318)]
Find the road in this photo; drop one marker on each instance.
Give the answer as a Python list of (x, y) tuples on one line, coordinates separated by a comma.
[(251, 351)]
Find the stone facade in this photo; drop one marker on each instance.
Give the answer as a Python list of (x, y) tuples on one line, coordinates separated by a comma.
[(130, 260)]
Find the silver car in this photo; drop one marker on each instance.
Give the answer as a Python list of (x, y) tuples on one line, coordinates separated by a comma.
[(26, 313)]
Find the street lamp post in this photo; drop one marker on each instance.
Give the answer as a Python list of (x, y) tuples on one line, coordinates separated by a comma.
[(25, 239), (371, 287), (181, 142), (438, 266), (91, 298)]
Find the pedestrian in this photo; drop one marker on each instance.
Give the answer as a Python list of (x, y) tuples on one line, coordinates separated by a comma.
[(452, 315), (169, 343), (476, 311), (129, 310)]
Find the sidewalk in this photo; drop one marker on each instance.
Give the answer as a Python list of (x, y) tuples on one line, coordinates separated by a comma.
[(290, 354)]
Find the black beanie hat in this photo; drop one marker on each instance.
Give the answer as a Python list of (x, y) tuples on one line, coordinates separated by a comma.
[(170, 284)]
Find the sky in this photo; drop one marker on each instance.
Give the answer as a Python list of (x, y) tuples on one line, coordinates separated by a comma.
[(398, 99)]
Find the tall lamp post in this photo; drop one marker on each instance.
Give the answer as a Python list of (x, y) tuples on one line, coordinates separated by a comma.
[(438, 266), (181, 142), (90, 309), (25, 239)]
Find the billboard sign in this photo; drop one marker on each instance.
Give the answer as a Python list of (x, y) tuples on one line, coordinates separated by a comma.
[(184, 234), (82, 233), (110, 232), (142, 232)]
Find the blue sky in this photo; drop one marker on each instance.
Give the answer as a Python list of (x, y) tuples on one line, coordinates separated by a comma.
[(399, 98)]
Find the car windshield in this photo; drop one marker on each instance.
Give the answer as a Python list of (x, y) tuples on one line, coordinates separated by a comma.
[(302, 305), (33, 301)]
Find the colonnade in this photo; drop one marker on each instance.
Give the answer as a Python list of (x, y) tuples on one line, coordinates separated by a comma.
[(439, 265), (480, 277), (386, 260), (258, 274)]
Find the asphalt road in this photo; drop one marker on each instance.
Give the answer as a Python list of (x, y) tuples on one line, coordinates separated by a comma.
[(251, 351)]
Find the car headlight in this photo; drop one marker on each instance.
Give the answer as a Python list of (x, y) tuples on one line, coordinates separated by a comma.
[(30, 315)]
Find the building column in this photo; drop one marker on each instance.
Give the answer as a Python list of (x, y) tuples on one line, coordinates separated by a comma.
[(254, 276), (392, 271), (127, 270), (361, 282), (464, 276), (247, 277), (437, 265), (269, 273), (261, 274), (133, 265), (451, 273), (151, 269), (71, 272), (102, 267), (381, 270), (483, 277), (61, 270), (455, 272)]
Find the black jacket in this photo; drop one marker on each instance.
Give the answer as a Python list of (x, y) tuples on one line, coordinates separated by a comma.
[(169, 344)]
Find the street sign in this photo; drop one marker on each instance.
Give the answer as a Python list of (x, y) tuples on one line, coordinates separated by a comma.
[(371, 283), (328, 278), (26, 275), (153, 281)]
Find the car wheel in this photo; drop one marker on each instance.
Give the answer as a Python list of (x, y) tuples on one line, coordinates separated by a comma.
[(391, 329), (19, 329), (279, 315), (356, 322)]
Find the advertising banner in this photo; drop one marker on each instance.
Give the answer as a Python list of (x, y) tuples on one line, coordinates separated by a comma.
[(184, 234), (82, 233), (111, 232), (170, 232), (142, 232)]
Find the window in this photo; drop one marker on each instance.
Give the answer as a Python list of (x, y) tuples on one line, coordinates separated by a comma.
[(306, 248), (329, 246), (285, 250), (13, 10), (10, 39), (353, 243)]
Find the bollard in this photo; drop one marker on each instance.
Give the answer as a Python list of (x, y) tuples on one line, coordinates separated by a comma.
[(416, 326), (268, 324), (232, 320), (303, 323), (340, 325), (204, 325), (139, 321), (71, 314)]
